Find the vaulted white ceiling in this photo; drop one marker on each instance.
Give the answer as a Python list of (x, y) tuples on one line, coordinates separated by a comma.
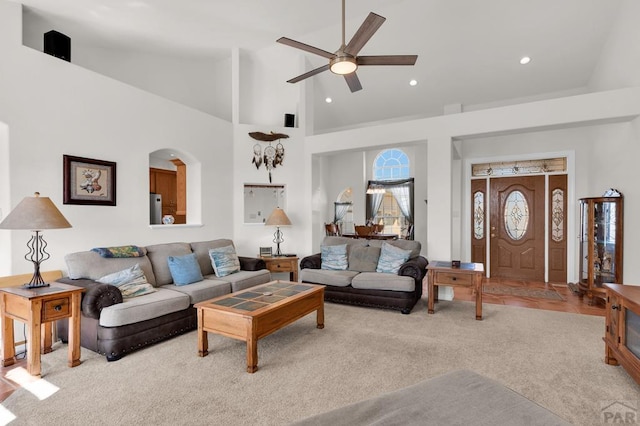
[(469, 50)]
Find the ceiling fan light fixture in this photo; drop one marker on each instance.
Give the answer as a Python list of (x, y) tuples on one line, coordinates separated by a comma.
[(343, 65)]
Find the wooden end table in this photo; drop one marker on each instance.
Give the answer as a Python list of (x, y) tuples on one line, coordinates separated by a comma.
[(283, 264), (466, 275), (38, 308), (254, 313)]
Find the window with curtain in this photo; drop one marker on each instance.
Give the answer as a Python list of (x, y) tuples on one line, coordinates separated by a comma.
[(343, 211), (390, 195)]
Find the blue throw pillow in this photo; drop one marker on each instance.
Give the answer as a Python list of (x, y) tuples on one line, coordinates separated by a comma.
[(184, 269), (334, 258), (391, 258), (224, 260)]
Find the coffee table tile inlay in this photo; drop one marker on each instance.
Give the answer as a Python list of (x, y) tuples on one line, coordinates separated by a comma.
[(252, 314)]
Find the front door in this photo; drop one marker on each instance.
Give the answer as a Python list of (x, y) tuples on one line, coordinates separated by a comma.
[(516, 227)]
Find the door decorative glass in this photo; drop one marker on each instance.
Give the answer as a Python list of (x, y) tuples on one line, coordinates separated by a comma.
[(478, 215), (516, 215), (557, 215)]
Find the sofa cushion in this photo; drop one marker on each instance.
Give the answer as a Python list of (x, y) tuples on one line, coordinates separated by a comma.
[(184, 269), (350, 242), (224, 260), (158, 255), (244, 279), (391, 259), (131, 282), (89, 264), (334, 258), (382, 281), (364, 259), (143, 308), (412, 245), (203, 290), (201, 249), (322, 276)]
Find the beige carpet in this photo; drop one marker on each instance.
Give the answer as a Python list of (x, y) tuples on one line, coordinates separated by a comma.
[(552, 358)]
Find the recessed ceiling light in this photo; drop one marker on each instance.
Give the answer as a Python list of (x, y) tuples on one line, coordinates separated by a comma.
[(525, 60), (413, 83), (328, 100)]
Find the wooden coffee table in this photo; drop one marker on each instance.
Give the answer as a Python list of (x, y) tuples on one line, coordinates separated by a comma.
[(254, 313)]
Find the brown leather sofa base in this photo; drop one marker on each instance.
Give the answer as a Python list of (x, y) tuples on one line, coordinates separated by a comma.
[(115, 342)]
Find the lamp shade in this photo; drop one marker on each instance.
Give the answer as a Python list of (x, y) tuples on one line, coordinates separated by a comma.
[(278, 218), (35, 213)]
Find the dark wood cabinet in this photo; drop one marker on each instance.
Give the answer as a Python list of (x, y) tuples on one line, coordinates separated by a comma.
[(600, 244), (622, 328)]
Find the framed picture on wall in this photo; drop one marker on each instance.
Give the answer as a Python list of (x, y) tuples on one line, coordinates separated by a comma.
[(89, 181)]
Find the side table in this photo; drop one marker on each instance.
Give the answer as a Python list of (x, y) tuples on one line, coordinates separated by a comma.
[(283, 264), (466, 275), (38, 308)]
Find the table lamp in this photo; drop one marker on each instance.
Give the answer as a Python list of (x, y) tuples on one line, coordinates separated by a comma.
[(35, 213), (278, 218)]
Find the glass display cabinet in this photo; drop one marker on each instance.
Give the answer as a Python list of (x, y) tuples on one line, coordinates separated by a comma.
[(600, 243)]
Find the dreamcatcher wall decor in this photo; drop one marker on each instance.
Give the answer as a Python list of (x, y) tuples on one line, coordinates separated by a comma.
[(272, 156)]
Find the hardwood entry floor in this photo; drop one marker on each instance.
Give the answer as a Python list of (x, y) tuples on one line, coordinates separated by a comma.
[(571, 303)]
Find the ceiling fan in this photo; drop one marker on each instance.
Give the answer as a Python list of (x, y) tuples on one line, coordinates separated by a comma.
[(345, 61)]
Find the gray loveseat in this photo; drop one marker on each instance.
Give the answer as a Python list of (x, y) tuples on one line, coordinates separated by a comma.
[(359, 284), (113, 326)]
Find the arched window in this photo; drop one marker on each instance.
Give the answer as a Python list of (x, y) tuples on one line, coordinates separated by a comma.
[(391, 164), (343, 211)]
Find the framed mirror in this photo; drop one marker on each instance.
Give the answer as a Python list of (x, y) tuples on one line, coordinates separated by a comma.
[(261, 199)]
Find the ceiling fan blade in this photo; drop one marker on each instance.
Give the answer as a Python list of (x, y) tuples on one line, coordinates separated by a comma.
[(364, 33), (305, 47), (309, 74), (353, 82), (387, 60)]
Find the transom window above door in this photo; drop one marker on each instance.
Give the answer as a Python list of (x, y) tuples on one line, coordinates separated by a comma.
[(522, 167)]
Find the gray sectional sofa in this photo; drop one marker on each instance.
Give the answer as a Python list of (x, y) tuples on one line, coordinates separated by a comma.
[(360, 284), (114, 326)]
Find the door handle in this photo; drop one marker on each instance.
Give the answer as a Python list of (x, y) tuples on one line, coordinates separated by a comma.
[(493, 235)]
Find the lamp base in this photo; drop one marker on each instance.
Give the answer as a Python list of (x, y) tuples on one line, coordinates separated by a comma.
[(35, 285)]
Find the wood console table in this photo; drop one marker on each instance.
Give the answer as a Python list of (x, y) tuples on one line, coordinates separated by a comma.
[(466, 275), (38, 308), (283, 264)]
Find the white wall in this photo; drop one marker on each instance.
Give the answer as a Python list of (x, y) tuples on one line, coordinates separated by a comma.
[(52, 108), (265, 95), (248, 238), (201, 82)]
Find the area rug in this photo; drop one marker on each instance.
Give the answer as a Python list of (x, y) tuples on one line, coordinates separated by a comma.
[(535, 293)]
